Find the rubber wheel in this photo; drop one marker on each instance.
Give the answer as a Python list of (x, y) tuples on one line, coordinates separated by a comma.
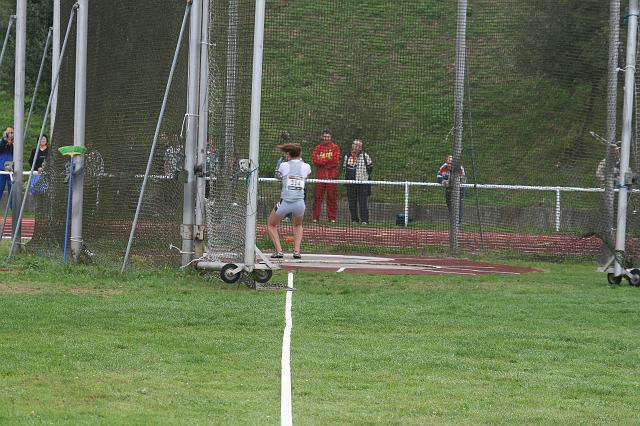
[(227, 275), (262, 275), (613, 280), (634, 279)]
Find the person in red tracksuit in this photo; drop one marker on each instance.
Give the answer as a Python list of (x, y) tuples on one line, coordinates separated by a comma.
[(326, 157)]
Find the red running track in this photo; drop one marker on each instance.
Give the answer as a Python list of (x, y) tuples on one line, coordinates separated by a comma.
[(28, 227), (556, 243)]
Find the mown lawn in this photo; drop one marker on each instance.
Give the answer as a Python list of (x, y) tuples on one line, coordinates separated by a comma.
[(89, 346)]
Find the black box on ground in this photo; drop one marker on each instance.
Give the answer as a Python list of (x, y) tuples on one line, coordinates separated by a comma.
[(400, 219)]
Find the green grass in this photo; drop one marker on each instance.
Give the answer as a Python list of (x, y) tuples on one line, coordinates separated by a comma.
[(89, 346)]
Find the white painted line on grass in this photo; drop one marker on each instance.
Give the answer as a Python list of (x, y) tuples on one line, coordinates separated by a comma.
[(286, 409)]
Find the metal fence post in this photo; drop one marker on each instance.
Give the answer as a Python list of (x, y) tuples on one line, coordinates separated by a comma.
[(406, 204), (557, 210)]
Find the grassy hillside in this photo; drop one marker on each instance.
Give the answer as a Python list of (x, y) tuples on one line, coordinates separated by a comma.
[(385, 72)]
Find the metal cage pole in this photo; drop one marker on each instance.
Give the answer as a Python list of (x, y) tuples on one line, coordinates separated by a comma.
[(627, 117), (55, 60), (26, 130), (203, 128), (18, 112), (37, 87), (56, 75), (454, 214), (12, 19), (6, 37), (254, 139), (79, 118), (191, 140)]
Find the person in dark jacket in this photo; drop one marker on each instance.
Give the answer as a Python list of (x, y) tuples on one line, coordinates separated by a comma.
[(41, 153), (6, 156)]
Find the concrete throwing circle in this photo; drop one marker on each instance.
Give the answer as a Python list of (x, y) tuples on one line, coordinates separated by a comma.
[(395, 265)]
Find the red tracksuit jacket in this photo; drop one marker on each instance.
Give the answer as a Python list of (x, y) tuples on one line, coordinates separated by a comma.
[(326, 157)]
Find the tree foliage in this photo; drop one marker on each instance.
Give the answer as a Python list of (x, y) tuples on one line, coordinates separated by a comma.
[(39, 20)]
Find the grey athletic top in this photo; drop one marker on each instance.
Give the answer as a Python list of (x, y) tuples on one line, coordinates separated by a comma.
[(293, 174)]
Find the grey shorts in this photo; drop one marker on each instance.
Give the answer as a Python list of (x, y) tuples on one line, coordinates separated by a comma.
[(283, 208)]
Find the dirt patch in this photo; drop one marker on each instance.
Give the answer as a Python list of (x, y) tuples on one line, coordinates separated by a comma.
[(95, 291), (25, 289), (19, 289)]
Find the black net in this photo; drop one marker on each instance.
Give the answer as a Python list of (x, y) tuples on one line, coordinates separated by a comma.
[(535, 94), (230, 70), (131, 46), (537, 150)]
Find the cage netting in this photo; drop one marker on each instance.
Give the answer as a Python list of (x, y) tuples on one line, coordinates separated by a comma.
[(539, 175), (130, 49), (231, 31), (535, 117)]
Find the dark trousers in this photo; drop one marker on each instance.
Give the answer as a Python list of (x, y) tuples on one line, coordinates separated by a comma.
[(5, 180), (358, 196), (447, 197)]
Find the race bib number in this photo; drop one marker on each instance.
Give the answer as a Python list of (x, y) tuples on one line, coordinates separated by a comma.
[(295, 183)]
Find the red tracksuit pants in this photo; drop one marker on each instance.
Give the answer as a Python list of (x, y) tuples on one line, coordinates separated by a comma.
[(331, 190)]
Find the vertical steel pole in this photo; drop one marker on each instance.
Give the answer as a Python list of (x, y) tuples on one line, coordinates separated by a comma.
[(458, 93), (254, 138), (627, 117), (79, 118), (55, 60), (203, 117), (191, 142), (18, 112), (56, 73)]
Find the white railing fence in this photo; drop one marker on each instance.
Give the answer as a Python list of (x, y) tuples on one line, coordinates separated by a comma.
[(408, 185)]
